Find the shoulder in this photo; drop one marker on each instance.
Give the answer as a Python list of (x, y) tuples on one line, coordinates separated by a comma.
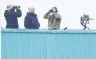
[(6, 11), (59, 15)]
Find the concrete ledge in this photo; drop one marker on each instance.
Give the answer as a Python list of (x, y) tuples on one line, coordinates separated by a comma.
[(49, 31)]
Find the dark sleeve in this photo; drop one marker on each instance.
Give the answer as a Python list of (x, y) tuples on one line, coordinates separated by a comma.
[(18, 13)]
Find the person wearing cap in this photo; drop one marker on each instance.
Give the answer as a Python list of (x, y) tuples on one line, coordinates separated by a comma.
[(54, 19), (31, 20), (11, 15)]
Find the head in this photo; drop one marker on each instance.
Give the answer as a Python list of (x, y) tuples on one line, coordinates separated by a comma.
[(31, 10), (9, 6), (54, 9), (85, 15)]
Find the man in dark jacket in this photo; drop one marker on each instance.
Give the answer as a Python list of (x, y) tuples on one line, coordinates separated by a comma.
[(31, 20), (11, 15)]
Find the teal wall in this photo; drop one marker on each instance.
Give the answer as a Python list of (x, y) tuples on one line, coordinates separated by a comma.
[(44, 44)]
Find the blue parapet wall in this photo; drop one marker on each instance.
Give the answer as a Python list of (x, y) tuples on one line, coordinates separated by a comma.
[(48, 44)]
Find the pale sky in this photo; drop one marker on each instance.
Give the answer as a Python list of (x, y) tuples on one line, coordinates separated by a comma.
[(70, 10)]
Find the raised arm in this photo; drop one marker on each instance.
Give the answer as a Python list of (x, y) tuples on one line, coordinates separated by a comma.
[(46, 16), (18, 13)]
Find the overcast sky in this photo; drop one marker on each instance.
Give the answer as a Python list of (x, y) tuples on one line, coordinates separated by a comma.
[(70, 10)]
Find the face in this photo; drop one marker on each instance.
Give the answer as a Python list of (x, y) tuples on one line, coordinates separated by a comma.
[(85, 15), (54, 10), (32, 10)]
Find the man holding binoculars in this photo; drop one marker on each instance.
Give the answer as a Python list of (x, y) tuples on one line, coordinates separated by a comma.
[(54, 19), (84, 21), (11, 15)]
